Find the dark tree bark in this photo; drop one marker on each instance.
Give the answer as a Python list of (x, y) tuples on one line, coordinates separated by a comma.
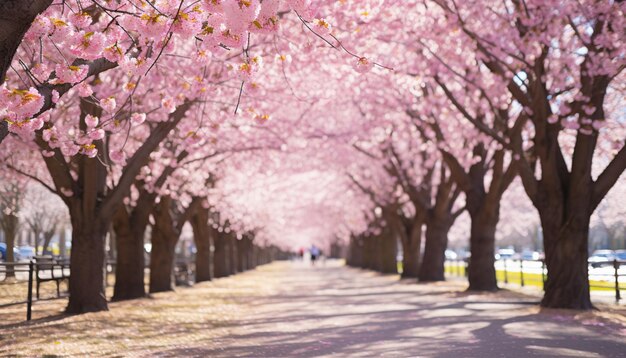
[(243, 251), (221, 255), (411, 247), (355, 252), (410, 232), (387, 252), (164, 239), (129, 268), (169, 219), (432, 268), (10, 224), (86, 283), (252, 261), (202, 236), (481, 269), (369, 252), (232, 249), (566, 245)]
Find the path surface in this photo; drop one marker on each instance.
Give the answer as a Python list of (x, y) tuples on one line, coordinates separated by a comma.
[(294, 310)]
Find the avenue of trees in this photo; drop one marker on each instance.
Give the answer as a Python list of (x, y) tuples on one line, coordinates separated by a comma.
[(279, 123)]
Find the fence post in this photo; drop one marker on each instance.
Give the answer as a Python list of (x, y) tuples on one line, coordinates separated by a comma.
[(543, 274), (521, 271), (616, 265), (466, 263), (506, 275), (29, 300)]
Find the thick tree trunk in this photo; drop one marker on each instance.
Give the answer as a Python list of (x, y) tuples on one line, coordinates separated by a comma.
[(242, 253), (566, 245), (355, 252), (432, 268), (129, 268), (232, 248), (162, 261), (10, 226), (204, 242), (221, 256), (253, 256), (388, 250), (481, 269), (260, 257), (86, 282), (411, 245), (164, 239), (368, 253)]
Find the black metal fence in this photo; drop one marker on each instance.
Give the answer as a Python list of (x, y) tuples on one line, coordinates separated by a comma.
[(602, 276), (32, 274)]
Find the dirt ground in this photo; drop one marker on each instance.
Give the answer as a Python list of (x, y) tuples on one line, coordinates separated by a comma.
[(292, 309)]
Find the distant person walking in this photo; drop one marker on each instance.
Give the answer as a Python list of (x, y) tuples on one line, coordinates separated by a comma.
[(315, 253)]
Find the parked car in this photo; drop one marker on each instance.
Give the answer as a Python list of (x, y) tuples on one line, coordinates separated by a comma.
[(601, 258), (620, 255), (530, 255), (3, 252), (505, 254), (451, 255), (25, 253)]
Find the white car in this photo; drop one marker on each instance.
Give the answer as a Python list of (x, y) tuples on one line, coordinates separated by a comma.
[(451, 255), (25, 253), (505, 254), (601, 258)]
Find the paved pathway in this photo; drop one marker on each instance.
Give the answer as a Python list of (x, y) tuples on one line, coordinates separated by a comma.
[(294, 310), (347, 312)]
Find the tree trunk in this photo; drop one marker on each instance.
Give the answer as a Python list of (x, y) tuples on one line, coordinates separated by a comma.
[(10, 224), (241, 255), (481, 269), (164, 239), (388, 250), (368, 259), (162, 261), (355, 256), (232, 249), (566, 245), (411, 245), (203, 240), (432, 268), (86, 282), (221, 256), (47, 237), (129, 268), (251, 254)]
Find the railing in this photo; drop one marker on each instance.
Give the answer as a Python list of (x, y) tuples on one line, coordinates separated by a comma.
[(34, 272), (602, 275)]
